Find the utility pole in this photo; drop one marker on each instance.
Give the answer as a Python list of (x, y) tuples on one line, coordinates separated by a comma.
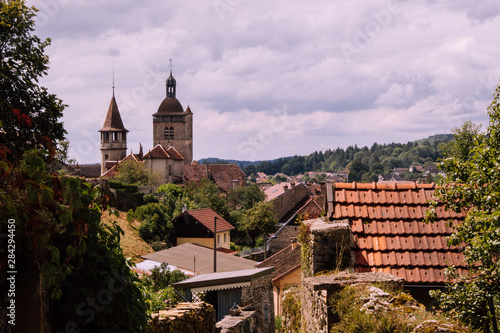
[(215, 244)]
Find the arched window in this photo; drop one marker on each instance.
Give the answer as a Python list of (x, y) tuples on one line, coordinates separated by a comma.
[(168, 133)]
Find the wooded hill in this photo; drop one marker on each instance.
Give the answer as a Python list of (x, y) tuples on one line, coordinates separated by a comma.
[(365, 164)]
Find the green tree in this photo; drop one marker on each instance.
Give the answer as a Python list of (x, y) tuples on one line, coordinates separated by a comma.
[(28, 113), (245, 197), (472, 185), (135, 173), (259, 221)]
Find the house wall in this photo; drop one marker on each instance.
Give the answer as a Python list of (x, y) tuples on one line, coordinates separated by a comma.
[(166, 168), (288, 200), (208, 242), (291, 279), (260, 295), (283, 239)]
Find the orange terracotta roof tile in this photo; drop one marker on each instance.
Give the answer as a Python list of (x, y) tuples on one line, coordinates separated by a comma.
[(389, 231)]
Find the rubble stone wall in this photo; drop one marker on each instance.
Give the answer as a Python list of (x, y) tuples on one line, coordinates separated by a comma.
[(260, 296)]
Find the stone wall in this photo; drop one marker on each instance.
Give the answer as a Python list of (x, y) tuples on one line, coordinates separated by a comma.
[(318, 290), (185, 317), (259, 296), (243, 323), (331, 246), (283, 239), (284, 203)]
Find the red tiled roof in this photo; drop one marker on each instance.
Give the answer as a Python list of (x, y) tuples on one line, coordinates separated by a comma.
[(223, 175), (114, 166), (206, 217), (160, 152), (390, 234), (284, 262)]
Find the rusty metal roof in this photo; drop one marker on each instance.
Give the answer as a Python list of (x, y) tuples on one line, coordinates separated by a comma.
[(390, 234)]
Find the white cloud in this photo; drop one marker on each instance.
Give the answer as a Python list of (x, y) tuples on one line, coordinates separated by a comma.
[(342, 73)]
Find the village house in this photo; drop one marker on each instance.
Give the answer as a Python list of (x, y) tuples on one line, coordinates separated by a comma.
[(225, 176), (287, 264), (198, 226)]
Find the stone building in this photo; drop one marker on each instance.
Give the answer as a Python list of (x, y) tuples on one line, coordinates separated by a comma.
[(172, 125), (113, 136), (172, 138)]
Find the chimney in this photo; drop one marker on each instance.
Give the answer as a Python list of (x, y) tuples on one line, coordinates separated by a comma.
[(235, 183), (285, 187)]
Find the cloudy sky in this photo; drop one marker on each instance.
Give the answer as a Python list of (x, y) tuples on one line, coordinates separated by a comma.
[(267, 79)]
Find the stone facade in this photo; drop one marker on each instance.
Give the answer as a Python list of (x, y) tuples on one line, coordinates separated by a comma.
[(259, 295), (283, 239)]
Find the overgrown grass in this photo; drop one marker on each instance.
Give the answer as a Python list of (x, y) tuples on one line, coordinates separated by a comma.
[(403, 314)]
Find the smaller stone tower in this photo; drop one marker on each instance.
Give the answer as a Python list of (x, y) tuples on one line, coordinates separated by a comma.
[(113, 136)]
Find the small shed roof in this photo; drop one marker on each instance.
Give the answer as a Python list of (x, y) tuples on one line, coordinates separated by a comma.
[(183, 257), (223, 278)]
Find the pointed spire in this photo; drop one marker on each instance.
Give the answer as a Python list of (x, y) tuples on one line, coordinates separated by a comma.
[(171, 83), (113, 121), (113, 79), (141, 154)]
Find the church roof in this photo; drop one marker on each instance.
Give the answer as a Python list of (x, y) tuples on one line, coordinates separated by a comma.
[(160, 152), (169, 105), (113, 121)]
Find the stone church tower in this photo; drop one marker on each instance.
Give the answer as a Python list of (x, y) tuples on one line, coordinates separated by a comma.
[(113, 136), (172, 125)]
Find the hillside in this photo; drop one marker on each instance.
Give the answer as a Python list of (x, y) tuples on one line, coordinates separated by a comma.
[(133, 246)]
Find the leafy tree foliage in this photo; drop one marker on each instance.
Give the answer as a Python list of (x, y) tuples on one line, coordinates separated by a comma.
[(135, 173), (158, 286), (365, 162), (245, 197), (472, 185), (258, 221), (28, 113), (58, 230), (156, 221)]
